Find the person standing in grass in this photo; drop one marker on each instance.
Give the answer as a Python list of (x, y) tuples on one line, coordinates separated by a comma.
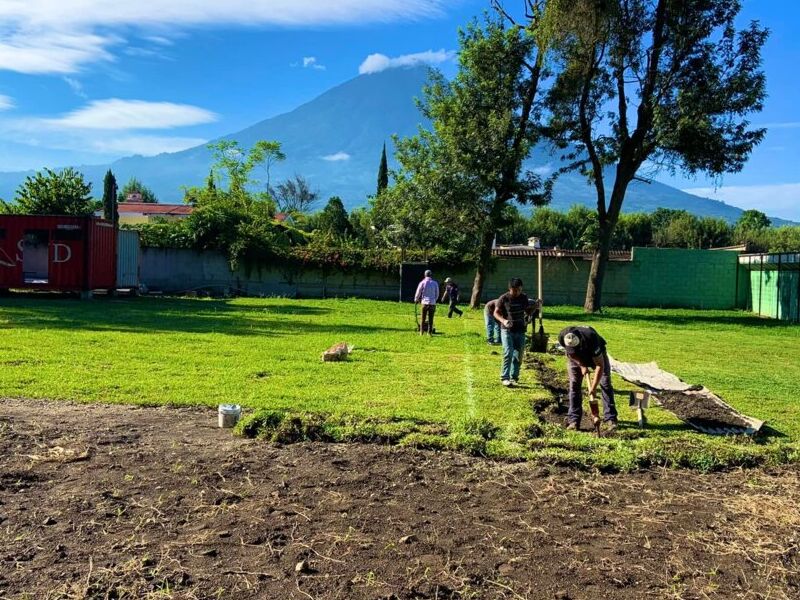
[(492, 325), (512, 312), (586, 354), (451, 293), (427, 293)]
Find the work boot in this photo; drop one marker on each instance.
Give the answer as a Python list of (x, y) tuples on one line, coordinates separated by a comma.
[(572, 426), (611, 426)]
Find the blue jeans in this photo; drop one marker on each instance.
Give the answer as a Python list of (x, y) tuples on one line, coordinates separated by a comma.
[(492, 328), (513, 345), (576, 392)]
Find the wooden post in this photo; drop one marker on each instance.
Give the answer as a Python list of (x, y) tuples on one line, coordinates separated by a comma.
[(539, 282)]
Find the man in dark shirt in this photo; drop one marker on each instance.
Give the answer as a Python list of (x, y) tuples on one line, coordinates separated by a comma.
[(512, 312), (586, 354), (451, 293)]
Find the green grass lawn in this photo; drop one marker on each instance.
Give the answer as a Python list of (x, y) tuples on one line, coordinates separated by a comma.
[(440, 392)]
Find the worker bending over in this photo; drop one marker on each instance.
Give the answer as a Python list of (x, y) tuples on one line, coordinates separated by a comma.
[(586, 355)]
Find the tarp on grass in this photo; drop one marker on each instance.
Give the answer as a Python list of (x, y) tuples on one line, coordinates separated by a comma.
[(695, 405)]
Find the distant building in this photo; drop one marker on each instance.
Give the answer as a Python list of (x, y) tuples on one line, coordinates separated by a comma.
[(134, 197), (131, 213)]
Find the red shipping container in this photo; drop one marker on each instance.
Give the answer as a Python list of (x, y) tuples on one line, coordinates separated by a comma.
[(68, 254)]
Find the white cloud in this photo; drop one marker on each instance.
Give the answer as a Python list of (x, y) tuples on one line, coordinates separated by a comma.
[(60, 36), (38, 51), (131, 114), (76, 87), (544, 170), (374, 63), (777, 200), (785, 125), (339, 156), (310, 62), (6, 102)]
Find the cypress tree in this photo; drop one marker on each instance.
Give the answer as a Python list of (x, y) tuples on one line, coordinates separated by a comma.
[(383, 172), (210, 185), (110, 198)]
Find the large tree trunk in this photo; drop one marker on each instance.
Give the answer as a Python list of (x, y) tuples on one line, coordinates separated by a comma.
[(594, 289), (608, 221), (484, 262)]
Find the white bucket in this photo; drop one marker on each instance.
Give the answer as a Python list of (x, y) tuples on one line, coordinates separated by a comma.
[(229, 415)]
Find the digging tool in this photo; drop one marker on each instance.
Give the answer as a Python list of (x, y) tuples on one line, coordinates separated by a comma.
[(594, 407), (539, 338)]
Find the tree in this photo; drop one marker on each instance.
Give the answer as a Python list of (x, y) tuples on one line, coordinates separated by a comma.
[(752, 230), (483, 127), (135, 186), (110, 212), (753, 220), (266, 153), (55, 193), (550, 226), (664, 81), (634, 229), (333, 219), (237, 163), (211, 185), (294, 196), (383, 172)]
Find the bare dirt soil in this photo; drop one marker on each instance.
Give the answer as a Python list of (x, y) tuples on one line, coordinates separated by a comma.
[(123, 502), (701, 411)]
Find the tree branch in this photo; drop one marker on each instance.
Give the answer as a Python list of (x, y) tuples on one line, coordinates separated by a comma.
[(586, 136)]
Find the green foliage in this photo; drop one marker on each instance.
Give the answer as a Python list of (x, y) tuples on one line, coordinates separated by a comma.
[(333, 221), (236, 164), (383, 173), (663, 81), (456, 179), (752, 229), (50, 192), (110, 212), (136, 186)]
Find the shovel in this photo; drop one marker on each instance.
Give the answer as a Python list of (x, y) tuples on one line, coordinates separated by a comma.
[(539, 338)]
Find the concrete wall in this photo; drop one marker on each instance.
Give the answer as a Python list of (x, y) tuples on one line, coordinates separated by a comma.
[(673, 277), (179, 271), (654, 278)]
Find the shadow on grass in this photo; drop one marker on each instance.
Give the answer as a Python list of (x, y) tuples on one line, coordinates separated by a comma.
[(173, 315), (678, 317)]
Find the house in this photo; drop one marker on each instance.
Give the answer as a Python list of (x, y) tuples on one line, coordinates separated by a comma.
[(131, 213)]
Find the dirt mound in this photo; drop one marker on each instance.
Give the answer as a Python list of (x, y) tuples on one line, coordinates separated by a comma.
[(166, 505), (700, 411)]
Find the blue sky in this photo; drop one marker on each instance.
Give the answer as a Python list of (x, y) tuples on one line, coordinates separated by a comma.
[(88, 81)]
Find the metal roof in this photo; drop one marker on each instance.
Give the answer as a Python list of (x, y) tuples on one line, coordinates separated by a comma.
[(153, 208), (531, 252)]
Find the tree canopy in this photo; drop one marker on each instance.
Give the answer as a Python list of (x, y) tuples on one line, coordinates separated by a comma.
[(49, 192), (659, 81), (136, 186)]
